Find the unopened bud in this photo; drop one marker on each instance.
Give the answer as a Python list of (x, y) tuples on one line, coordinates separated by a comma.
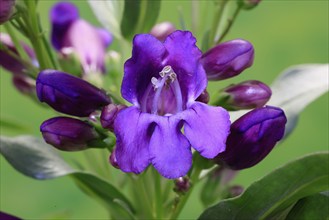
[(6, 10), (162, 30), (68, 134), (203, 97), (235, 191), (69, 94), (113, 160), (182, 185), (246, 95), (252, 137), (24, 84), (228, 59), (108, 115)]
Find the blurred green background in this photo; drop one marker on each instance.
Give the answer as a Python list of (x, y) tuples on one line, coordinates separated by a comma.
[(284, 33)]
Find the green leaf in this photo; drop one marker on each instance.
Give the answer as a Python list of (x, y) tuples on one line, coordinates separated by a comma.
[(277, 191), (34, 158), (311, 207), (139, 16)]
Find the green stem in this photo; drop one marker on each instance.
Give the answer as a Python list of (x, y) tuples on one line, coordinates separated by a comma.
[(183, 198), (230, 22), (17, 44), (158, 195), (214, 28)]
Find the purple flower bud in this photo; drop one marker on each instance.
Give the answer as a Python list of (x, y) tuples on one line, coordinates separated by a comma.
[(252, 137), (68, 134), (162, 30), (69, 94), (113, 160), (109, 114), (228, 59), (203, 97), (6, 10), (10, 63), (246, 95), (248, 4), (106, 36), (24, 84), (182, 185), (62, 15)]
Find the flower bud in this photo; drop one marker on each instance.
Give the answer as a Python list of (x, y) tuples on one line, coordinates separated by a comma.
[(62, 15), (246, 95), (203, 97), (235, 191), (6, 10), (113, 160), (252, 137), (248, 4), (228, 59), (162, 30), (182, 185), (68, 134), (11, 63), (69, 94), (109, 114), (24, 84)]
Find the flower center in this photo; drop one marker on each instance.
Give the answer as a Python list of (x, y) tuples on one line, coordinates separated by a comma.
[(160, 101)]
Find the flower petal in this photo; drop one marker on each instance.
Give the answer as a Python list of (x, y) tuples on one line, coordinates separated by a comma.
[(169, 150), (146, 62), (132, 146), (184, 58), (207, 128)]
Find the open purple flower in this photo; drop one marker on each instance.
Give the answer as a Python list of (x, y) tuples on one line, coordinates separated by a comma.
[(70, 31), (162, 81)]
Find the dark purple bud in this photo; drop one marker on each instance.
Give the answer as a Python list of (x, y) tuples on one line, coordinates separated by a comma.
[(11, 63), (162, 30), (5, 216), (69, 94), (246, 95), (62, 15), (248, 4), (6, 10), (203, 97), (228, 59), (109, 113), (252, 137), (68, 134), (236, 191), (182, 185), (24, 84), (113, 160)]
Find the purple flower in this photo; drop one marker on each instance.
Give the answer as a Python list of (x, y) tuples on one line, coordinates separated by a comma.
[(252, 137), (162, 81), (69, 94), (8, 62), (5, 216), (228, 59), (68, 134), (246, 95), (24, 84), (6, 10), (88, 42)]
